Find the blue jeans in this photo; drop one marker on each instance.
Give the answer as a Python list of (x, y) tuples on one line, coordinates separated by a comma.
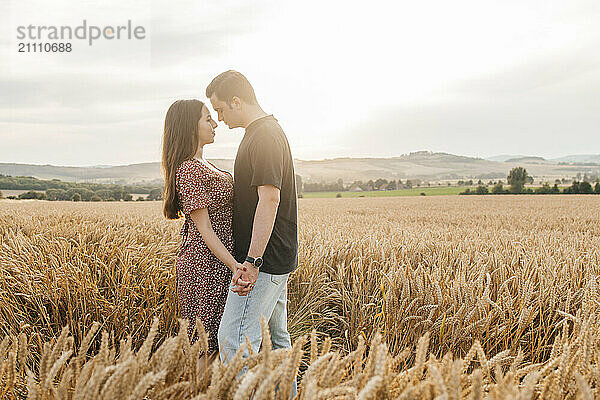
[(242, 314)]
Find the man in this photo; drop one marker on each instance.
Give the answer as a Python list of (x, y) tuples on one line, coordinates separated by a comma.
[(264, 219)]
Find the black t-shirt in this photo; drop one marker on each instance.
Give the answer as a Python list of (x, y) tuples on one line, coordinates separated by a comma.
[(264, 158)]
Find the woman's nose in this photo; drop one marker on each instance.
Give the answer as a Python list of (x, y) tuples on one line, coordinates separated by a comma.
[(214, 124)]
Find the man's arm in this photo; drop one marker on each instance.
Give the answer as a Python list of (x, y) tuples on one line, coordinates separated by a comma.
[(264, 220)]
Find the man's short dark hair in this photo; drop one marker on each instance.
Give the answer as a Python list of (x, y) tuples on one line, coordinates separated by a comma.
[(231, 83)]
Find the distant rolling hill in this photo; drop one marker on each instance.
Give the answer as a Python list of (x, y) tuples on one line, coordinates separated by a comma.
[(424, 165), (529, 160), (579, 158), (504, 157), (133, 173)]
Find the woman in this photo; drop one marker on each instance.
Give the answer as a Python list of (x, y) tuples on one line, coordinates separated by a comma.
[(203, 193)]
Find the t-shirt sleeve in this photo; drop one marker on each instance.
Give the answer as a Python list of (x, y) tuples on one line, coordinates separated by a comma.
[(192, 191), (266, 158)]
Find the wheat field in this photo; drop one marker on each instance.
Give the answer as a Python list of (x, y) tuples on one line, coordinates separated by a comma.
[(429, 297)]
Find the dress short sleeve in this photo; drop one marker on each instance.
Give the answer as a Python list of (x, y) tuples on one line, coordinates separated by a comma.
[(192, 191)]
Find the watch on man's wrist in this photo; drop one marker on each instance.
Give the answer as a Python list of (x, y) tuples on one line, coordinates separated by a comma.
[(257, 262)]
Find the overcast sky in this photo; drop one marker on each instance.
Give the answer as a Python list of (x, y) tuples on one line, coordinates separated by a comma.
[(371, 79)]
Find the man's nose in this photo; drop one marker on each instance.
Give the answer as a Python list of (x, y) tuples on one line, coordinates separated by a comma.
[(214, 124)]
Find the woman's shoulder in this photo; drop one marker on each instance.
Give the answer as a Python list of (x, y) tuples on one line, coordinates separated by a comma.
[(190, 166)]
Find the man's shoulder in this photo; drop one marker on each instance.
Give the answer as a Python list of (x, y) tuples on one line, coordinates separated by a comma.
[(268, 133), (268, 127)]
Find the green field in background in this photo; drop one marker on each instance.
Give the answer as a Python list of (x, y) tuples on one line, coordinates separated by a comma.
[(429, 191)]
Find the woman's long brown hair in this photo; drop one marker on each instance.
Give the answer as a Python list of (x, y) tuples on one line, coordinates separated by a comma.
[(180, 143)]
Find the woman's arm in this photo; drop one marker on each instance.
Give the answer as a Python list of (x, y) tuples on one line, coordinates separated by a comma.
[(202, 221)]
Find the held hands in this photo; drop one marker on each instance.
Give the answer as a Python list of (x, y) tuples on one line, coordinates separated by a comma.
[(244, 278), (237, 280)]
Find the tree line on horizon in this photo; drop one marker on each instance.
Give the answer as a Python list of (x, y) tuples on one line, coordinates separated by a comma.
[(518, 177), (384, 184), (56, 190)]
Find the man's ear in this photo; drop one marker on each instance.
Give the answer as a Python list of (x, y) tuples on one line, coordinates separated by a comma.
[(235, 103)]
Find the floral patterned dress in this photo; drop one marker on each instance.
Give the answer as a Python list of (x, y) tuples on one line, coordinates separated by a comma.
[(202, 279)]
